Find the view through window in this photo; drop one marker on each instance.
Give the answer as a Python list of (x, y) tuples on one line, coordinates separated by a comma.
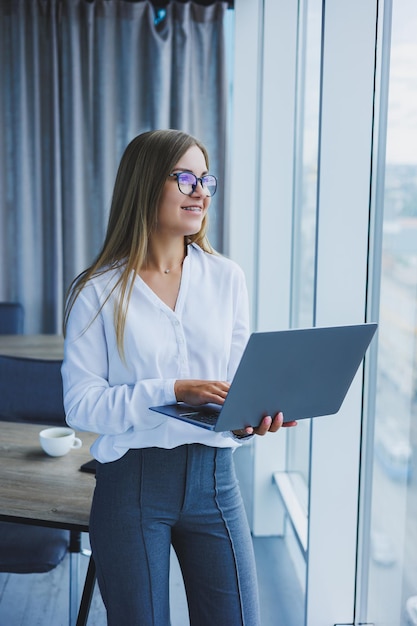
[(392, 574)]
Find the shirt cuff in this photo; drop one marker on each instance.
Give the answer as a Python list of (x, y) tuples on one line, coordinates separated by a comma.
[(169, 392)]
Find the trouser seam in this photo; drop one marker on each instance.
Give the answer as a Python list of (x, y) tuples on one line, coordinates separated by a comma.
[(145, 542), (229, 534)]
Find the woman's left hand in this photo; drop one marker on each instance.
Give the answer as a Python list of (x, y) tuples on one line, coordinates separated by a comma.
[(267, 425)]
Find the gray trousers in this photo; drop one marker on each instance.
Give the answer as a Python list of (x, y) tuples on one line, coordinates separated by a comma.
[(187, 497)]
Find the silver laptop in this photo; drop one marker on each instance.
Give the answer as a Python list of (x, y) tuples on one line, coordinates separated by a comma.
[(301, 372)]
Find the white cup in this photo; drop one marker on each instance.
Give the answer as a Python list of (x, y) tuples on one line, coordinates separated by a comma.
[(58, 441)]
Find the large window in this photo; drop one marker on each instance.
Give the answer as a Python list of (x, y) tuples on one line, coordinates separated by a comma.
[(390, 578), (352, 260)]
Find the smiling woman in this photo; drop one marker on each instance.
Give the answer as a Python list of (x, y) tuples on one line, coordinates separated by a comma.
[(141, 330)]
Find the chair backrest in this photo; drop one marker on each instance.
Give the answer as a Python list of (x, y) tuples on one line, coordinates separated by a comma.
[(11, 318), (31, 391)]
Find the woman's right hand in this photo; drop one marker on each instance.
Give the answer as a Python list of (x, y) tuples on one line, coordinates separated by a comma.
[(197, 392)]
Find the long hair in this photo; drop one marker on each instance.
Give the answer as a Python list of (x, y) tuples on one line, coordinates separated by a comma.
[(140, 179)]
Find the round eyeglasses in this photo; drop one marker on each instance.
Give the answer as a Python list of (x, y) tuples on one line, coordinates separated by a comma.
[(187, 183)]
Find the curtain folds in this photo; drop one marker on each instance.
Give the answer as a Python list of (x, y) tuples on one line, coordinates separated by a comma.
[(78, 80)]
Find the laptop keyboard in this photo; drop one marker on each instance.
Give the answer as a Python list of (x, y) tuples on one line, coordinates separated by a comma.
[(210, 418)]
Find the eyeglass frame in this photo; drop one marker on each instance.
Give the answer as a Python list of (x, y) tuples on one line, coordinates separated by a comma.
[(197, 180)]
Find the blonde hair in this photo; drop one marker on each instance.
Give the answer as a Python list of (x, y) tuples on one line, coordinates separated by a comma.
[(141, 176)]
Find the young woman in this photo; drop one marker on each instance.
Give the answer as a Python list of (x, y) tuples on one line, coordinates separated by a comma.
[(159, 318)]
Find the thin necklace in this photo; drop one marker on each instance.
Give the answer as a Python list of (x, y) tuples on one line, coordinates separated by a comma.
[(170, 269)]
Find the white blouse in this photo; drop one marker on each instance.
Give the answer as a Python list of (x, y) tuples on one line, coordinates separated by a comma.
[(203, 338)]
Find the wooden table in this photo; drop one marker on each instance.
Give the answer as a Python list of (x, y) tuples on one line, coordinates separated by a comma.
[(46, 491), (34, 487), (50, 347)]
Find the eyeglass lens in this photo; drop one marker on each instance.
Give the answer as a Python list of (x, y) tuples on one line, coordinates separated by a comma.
[(187, 183)]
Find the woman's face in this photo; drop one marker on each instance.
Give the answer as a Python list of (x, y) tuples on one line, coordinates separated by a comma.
[(179, 214)]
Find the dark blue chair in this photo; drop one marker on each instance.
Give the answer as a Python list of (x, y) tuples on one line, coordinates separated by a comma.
[(11, 318), (31, 549), (31, 392)]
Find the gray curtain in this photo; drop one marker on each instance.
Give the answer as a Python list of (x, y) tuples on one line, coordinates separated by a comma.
[(79, 79)]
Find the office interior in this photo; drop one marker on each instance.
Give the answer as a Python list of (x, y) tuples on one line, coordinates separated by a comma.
[(320, 210)]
